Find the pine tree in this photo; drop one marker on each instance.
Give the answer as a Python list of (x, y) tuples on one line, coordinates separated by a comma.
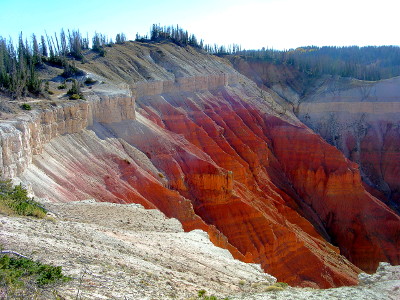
[(64, 49), (43, 47), (37, 58)]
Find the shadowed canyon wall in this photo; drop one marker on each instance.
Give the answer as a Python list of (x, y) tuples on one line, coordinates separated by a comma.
[(207, 147), (362, 120)]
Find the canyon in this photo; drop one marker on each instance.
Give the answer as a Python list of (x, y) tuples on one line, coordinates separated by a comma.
[(181, 131), (360, 118)]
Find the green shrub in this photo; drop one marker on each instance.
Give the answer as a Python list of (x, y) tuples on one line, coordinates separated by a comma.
[(75, 88), (15, 200), (26, 106), (71, 70), (102, 52), (16, 272), (74, 97), (201, 294), (62, 86), (90, 80), (75, 91)]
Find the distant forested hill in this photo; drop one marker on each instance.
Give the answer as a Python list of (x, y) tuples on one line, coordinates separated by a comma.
[(365, 63)]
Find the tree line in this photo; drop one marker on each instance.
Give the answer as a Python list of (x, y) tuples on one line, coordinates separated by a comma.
[(364, 63), (19, 63), (173, 34), (181, 37)]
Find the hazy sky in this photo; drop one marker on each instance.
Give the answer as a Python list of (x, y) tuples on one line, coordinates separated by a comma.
[(278, 24)]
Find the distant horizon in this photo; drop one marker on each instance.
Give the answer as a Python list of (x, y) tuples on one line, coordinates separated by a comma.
[(273, 24)]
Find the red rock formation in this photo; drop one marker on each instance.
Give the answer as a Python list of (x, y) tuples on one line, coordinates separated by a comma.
[(236, 165), (316, 174), (365, 230), (269, 190), (243, 202)]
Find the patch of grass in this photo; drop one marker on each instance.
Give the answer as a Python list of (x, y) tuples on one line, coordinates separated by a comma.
[(277, 286), (15, 201), (281, 284), (273, 288)]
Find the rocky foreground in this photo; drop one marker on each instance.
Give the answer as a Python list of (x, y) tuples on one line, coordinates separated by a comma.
[(116, 251)]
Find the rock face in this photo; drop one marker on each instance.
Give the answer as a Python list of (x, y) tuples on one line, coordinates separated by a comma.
[(25, 136), (362, 120), (207, 147)]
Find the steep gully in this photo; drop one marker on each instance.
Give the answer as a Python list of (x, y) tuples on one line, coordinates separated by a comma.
[(212, 153)]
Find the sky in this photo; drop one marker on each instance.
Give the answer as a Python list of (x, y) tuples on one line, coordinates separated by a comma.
[(253, 24)]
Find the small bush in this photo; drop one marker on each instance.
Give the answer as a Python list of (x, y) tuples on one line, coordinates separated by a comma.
[(102, 52), (26, 106), (62, 86), (201, 294), (90, 80), (16, 272), (74, 97), (15, 200), (75, 91), (75, 88), (71, 70)]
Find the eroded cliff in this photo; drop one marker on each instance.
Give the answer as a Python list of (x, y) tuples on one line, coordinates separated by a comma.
[(207, 147), (362, 120)]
